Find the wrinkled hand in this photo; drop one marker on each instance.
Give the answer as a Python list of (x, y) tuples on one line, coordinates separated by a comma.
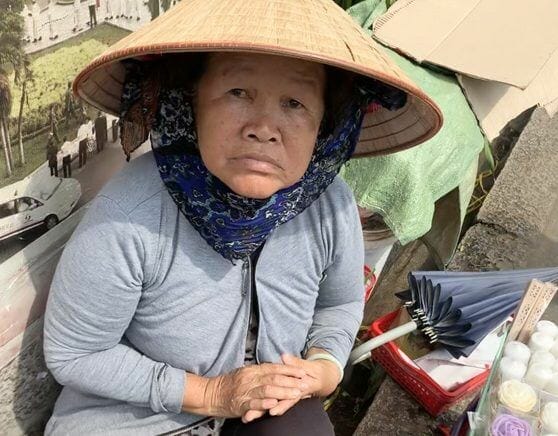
[(255, 387), (321, 379)]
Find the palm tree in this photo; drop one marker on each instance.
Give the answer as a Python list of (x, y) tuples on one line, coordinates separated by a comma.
[(5, 108)]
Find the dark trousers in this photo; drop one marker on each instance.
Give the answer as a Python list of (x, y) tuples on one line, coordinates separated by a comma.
[(53, 169), (92, 16), (67, 166), (82, 152), (307, 418)]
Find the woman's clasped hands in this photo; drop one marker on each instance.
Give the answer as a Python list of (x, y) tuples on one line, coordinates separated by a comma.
[(252, 391)]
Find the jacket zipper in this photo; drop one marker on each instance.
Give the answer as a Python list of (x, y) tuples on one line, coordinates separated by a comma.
[(253, 303)]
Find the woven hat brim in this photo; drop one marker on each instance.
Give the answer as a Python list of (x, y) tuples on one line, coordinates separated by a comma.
[(100, 83)]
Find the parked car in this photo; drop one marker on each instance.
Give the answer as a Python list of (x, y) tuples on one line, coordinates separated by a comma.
[(30, 205)]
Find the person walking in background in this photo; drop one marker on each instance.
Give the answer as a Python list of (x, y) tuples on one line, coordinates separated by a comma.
[(67, 165), (77, 26), (83, 135), (92, 13), (35, 17), (66, 151), (82, 152), (100, 129), (51, 154), (50, 14)]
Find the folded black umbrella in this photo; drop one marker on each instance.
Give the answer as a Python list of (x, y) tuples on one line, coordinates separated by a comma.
[(458, 309)]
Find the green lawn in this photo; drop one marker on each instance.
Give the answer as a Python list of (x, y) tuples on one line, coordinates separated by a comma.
[(54, 67)]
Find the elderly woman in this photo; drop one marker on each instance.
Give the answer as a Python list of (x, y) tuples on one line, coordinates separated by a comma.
[(215, 285)]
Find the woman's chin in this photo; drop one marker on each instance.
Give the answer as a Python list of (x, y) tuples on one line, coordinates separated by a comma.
[(258, 189)]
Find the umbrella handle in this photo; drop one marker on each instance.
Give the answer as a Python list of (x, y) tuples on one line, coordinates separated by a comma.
[(362, 352)]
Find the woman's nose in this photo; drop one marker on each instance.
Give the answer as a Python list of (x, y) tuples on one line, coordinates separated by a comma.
[(262, 127)]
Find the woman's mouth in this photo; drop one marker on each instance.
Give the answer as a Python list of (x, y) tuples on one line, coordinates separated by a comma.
[(257, 162)]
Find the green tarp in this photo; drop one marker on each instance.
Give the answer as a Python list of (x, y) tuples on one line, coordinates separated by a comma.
[(404, 186)]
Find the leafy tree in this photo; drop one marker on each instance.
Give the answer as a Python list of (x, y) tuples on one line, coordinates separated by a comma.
[(13, 56)]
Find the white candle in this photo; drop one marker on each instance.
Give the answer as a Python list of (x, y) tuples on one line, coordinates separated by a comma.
[(545, 358), (517, 395), (540, 341), (552, 385), (511, 369), (547, 327), (538, 375), (549, 417), (554, 349), (555, 367), (517, 351)]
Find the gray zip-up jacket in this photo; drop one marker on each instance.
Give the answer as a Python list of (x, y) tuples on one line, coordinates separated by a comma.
[(139, 298)]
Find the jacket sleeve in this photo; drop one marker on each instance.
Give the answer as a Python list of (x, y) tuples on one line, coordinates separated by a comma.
[(93, 298), (340, 303)]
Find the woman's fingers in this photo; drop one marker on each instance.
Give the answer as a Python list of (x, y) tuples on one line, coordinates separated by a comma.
[(252, 415), (258, 388), (282, 407), (262, 404), (285, 381), (288, 370), (277, 392)]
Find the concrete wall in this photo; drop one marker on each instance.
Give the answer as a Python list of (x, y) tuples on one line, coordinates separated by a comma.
[(27, 390)]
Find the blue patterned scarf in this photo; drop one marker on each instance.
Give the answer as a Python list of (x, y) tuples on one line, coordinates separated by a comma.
[(233, 225)]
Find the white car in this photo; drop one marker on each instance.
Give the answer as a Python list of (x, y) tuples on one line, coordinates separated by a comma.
[(28, 205)]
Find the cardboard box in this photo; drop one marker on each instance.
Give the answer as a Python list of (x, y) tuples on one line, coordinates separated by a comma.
[(496, 103), (507, 41)]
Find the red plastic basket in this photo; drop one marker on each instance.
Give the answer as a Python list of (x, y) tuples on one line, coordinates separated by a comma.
[(426, 391)]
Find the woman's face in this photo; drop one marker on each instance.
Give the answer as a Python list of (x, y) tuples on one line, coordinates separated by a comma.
[(257, 119)]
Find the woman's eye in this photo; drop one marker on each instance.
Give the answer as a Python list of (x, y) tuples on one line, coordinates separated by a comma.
[(237, 92), (294, 104)]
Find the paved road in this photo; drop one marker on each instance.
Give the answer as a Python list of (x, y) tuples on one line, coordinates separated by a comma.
[(99, 168)]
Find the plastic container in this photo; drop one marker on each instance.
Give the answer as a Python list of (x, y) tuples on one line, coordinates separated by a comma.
[(414, 380)]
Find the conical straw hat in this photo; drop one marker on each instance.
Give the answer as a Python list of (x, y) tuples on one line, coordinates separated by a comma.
[(315, 30)]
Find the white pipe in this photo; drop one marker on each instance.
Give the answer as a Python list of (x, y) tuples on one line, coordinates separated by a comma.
[(362, 352)]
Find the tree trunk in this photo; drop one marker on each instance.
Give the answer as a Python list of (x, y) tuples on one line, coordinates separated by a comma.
[(6, 150), (19, 119), (8, 142)]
